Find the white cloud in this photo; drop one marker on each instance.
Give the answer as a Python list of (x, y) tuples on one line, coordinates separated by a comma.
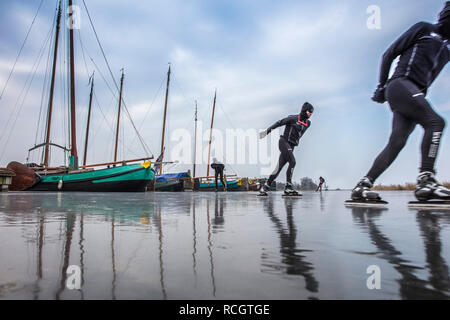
[(264, 58), (297, 31)]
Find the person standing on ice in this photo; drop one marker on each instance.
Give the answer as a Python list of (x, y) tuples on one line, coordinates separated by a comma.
[(218, 172), (295, 127), (424, 51)]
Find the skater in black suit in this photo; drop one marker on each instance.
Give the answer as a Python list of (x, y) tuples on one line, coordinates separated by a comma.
[(295, 127), (424, 52)]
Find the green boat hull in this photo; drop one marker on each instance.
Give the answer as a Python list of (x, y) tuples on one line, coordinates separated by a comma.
[(128, 178), (232, 185)]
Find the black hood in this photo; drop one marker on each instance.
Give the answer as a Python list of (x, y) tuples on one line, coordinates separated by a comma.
[(444, 21), (306, 107)]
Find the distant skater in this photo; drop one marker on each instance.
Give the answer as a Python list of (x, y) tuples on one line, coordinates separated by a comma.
[(295, 127), (321, 181), (424, 51), (218, 172)]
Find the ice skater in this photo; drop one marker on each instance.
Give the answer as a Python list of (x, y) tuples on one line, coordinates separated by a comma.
[(321, 181), (295, 127), (423, 51)]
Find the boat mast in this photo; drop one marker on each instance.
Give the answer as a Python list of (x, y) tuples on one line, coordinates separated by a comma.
[(73, 153), (210, 132), (164, 121), (52, 87), (118, 117), (195, 138), (88, 120)]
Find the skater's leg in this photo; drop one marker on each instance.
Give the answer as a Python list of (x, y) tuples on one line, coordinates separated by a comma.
[(290, 169), (407, 99), (401, 129), (222, 180), (427, 186), (216, 174), (276, 172), (433, 125), (398, 96), (288, 155), (281, 162), (288, 152)]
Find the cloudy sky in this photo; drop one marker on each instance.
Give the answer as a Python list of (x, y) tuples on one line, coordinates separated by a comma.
[(265, 58)]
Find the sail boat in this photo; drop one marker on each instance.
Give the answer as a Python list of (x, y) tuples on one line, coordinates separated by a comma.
[(210, 185), (168, 181), (133, 177)]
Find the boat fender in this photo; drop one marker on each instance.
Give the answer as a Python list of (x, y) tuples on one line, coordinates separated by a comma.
[(38, 178), (60, 184)]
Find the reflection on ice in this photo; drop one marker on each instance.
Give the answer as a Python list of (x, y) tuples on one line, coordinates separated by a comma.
[(219, 246)]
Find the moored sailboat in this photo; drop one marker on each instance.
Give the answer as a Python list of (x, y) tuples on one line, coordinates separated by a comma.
[(168, 181), (208, 183), (121, 177)]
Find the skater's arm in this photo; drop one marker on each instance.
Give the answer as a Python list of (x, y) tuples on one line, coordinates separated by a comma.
[(288, 120), (405, 41), (279, 123), (282, 122)]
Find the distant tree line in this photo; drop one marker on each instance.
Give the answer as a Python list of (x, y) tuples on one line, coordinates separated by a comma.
[(306, 184), (400, 187)]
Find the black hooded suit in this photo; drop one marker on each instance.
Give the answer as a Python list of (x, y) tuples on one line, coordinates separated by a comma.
[(295, 127)]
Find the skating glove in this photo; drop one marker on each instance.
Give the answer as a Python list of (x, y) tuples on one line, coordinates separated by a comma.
[(264, 133), (378, 95)]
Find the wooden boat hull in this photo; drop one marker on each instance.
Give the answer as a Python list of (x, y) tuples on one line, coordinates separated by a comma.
[(232, 185), (172, 186), (128, 178), (173, 182), (24, 177)]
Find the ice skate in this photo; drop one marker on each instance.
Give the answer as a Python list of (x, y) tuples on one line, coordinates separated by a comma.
[(430, 193), (363, 196), (264, 191), (290, 192)]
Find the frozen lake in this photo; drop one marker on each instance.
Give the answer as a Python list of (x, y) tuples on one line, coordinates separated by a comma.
[(219, 246)]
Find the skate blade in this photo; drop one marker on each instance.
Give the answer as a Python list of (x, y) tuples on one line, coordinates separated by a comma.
[(262, 195), (431, 204), (366, 203), (291, 196)]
